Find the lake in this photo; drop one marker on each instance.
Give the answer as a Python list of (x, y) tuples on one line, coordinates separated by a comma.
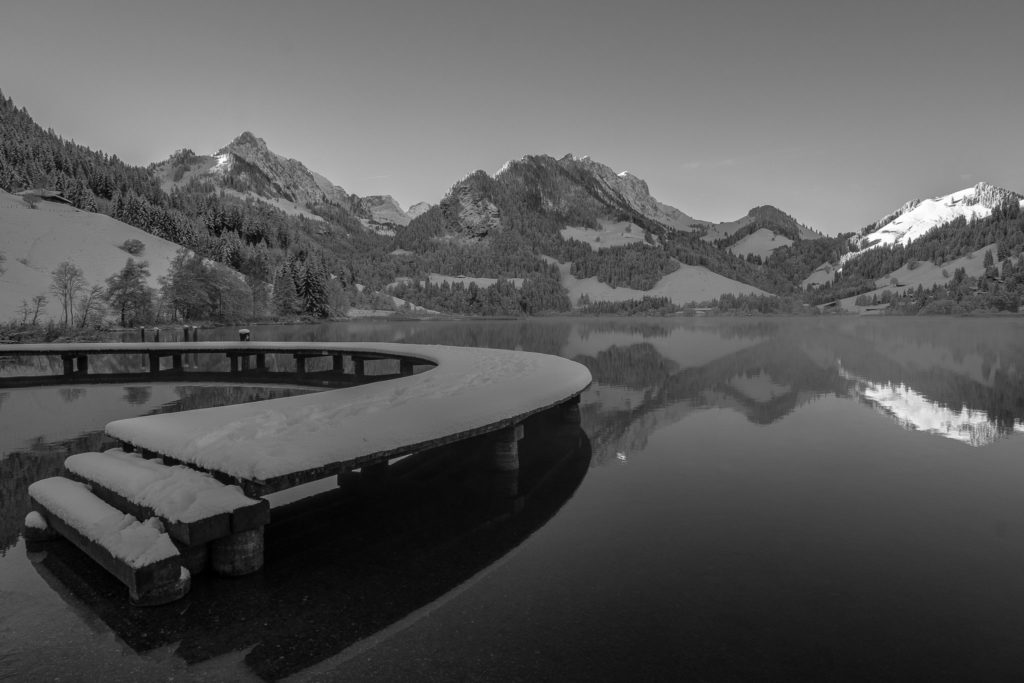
[(749, 499)]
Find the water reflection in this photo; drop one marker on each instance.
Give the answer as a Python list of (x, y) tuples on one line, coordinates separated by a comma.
[(756, 492), (941, 380), (346, 564)]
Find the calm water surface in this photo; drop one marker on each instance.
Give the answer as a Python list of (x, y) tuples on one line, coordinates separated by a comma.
[(836, 499)]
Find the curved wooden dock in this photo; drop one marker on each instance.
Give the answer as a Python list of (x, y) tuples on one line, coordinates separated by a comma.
[(268, 446), (272, 445)]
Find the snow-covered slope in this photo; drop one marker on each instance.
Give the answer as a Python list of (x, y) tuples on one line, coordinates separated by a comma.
[(914, 219), (36, 240), (686, 285)]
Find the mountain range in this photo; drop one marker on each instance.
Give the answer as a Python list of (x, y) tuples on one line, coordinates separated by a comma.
[(541, 234)]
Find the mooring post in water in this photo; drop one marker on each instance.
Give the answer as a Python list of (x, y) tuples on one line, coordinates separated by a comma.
[(505, 454), (239, 554), (243, 335), (571, 411)]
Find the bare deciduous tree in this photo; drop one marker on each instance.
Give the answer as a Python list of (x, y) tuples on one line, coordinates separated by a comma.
[(90, 306), (66, 285)]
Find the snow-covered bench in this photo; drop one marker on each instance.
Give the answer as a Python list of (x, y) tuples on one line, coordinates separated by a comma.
[(140, 554), (195, 508)]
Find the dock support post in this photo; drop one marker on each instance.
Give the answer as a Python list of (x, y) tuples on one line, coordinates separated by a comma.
[(338, 362), (69, 364), (261, 361), (194, 557), (142, 334), (300, 364), (83, 365), (154, 363), (156, 334), (375, 474), (571, 411), (239, 554), (359, 366), (195, 333), (176, 362), (405, 366), (505, 455), (184, 333)]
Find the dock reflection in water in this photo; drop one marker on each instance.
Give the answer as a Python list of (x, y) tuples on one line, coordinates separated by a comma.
[(346, 564)]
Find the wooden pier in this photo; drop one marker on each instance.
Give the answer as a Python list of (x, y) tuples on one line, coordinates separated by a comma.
[(385, 410)]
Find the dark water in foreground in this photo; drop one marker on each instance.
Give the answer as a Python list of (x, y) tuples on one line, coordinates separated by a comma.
[(837, 499)]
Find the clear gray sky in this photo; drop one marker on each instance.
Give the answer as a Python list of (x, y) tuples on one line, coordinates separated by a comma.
[(835, 111)]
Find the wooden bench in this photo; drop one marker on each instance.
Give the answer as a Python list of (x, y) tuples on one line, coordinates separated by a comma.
[(140, 555)]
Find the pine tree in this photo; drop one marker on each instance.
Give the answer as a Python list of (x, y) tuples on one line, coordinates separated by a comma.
[(286, 298)]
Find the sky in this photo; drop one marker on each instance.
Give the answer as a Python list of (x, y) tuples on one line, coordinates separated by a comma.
[(836, 112)]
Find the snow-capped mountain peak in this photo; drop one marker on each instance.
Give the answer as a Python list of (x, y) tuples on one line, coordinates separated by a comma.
[(915, 218)]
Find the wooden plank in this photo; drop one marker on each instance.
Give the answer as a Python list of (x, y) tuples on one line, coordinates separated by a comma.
[(185, 533), (139, 580)]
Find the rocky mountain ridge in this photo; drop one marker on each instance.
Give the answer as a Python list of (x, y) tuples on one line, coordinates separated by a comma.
[(247, 166)]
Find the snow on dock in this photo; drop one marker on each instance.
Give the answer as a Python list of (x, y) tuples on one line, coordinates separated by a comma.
[(134, 542), (470, 391), (177, 494), (194, 507), (140, 554)]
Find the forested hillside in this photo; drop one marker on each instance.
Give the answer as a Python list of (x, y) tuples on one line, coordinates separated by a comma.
[(290, 231)]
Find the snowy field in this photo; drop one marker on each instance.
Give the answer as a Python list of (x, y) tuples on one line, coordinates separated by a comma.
[(36, 240)]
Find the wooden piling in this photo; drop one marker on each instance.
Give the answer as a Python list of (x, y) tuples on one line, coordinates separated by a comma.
[(238, 554), (505, 451), (571, 411)]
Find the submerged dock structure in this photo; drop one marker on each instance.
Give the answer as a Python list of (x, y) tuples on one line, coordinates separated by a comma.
[(393, 400)]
